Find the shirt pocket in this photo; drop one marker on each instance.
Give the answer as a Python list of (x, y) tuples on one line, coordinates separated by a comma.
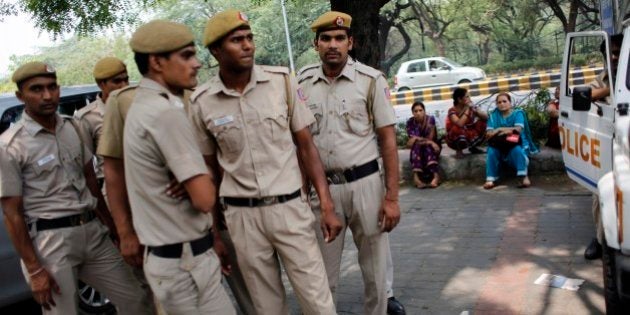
[(276, 120), (356, 117), (228, 131), (72, 161), (318, 113)]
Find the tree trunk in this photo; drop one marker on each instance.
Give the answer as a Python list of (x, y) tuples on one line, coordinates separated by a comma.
[(365, 21), (573, 13)]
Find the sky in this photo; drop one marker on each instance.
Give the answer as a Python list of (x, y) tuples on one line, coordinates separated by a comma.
[(19, 36)]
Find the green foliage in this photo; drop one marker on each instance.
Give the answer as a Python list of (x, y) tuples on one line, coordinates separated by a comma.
[(401, 135), (537, 116)]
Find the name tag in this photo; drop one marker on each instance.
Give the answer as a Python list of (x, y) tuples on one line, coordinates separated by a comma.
[(46, 159), (223, 120)]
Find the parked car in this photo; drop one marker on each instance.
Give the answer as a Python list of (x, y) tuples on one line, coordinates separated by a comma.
[(13, 287), (434, 71)]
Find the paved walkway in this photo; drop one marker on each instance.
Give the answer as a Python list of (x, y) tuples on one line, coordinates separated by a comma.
[(461, 249)]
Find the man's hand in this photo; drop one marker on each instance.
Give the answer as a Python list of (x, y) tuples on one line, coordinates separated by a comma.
[(222, 253), (389, 215), (330, 224), (176, 190), (43, 285), (131, 249)]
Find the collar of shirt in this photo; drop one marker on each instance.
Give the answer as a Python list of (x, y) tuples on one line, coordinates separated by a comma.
[(258, 75), (100, 105), (33, 127), (347, 72), (150, 84)]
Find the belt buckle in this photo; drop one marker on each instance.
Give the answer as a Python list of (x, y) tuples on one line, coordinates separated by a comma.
[(337, 178), (266, 201), (77, 220)]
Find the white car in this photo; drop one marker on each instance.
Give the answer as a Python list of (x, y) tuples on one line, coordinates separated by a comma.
[(434, 71)]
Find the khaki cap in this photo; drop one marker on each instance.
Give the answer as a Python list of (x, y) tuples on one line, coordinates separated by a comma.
[(161, 36), (32, 69), (108, 67), (222, 24), (331, 20)]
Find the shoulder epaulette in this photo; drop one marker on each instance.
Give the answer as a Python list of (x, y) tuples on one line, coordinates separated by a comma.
[(86, 109), (367, 70), (9, 134), (306, 70), (126, 89), (275, 69), (199, 90)]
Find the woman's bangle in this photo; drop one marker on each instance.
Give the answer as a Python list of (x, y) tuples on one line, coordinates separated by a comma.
[(31, 274)]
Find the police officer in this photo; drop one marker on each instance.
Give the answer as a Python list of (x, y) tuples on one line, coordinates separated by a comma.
[(47, 190), (111, 149), (110, 74), (355, 121), (180, 264), (246, 119)]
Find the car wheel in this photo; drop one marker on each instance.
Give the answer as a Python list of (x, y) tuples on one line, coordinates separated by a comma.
[(464, 81), (614, 304), (403, 89), (93, 302)]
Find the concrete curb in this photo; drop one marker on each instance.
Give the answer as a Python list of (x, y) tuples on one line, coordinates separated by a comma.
[(473, 166)]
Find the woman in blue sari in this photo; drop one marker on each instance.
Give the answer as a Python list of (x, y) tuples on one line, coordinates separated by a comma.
[(505, 121)]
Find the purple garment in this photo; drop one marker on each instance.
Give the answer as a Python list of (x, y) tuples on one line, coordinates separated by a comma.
[(423, 157)]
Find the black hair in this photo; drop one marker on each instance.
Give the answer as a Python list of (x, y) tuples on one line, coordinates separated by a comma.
[(504, 94), (348, 31), (142, 59), (616, 39), (459, 93), (417, 103)]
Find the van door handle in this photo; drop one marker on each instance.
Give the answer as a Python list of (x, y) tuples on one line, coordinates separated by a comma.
[(564, 114), (433, 75)]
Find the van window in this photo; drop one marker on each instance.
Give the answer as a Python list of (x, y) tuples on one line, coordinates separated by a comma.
[(417, 67), (9, 117), (586, 62)]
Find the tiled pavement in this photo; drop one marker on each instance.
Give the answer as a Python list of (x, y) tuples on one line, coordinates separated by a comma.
[(461, 249)]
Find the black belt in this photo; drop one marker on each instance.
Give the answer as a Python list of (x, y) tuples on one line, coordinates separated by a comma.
[(198, 246), (63, 222), (259, 202), (352, 174)]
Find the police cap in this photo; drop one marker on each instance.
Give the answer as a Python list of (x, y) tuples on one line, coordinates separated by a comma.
[(108, 67), (161, 36), (331, 20), (32, 69), (222, 24)]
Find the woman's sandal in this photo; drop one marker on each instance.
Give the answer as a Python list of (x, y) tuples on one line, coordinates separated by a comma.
[(488, 185)]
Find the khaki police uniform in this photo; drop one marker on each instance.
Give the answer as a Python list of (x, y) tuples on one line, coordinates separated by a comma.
[(111, 145), (345, 137), (90, 119), (251, 134), (190, 283), (46, 169)]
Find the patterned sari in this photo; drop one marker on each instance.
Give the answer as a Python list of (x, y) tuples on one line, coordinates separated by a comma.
[(423, 157), (470, 135)]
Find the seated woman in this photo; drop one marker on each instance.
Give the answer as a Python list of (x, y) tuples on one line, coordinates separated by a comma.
[(503, 122), (553, 134), (424, 146), (465, 124)]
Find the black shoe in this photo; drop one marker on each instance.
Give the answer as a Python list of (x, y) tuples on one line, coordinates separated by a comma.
[(593, 251), (475, 150), (394, 307)]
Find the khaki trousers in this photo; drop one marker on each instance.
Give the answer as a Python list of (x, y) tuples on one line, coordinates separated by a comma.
[(285, 230), (85, 252), (188, 285), (235, 279), (357, 205)]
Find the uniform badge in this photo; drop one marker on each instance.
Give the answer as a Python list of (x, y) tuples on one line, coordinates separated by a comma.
[(301, 95), (339, 21), (242, 16), (46, 159), (223, 120), (50, 69), (388, 93)]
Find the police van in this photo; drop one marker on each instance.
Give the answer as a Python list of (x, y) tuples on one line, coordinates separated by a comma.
[(595, 143)]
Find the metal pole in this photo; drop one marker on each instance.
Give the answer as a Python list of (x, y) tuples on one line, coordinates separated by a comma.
[(286, 31)]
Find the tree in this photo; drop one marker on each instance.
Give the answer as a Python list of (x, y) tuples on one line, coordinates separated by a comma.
[(435, 17), (392, 20), (365, 14), (77, 16)]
